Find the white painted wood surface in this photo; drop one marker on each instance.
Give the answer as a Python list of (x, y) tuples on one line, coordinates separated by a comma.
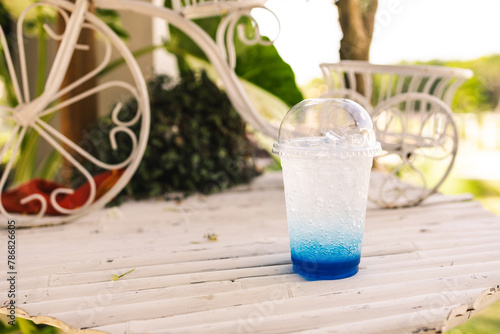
[(423, 269)]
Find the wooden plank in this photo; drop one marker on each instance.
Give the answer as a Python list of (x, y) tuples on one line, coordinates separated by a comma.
[(406, 323), (298, 303), (375, 326), (97, 274), (433, 259), (214, 299), (373, 264)]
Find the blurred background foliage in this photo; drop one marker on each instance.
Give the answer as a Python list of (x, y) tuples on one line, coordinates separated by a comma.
[(23, 326), (197, 141), (481, 92), (478, 94)]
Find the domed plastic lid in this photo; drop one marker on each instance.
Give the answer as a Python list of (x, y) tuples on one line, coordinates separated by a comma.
[(324, 127)]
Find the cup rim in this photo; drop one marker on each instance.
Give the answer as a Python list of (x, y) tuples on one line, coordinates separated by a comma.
[(282, 149)]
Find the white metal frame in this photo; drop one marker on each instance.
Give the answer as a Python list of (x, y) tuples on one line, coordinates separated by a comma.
[(412, 115), (220, 53), (29, 112)]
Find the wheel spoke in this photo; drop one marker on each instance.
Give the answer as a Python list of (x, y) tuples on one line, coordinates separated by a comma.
[(31, 110), (95, 90), (65, 51), (22, 52), (394, 191), (438, 143), (91, 74)]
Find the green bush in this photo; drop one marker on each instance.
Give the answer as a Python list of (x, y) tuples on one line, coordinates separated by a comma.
[(482, 91), (24, 326), (197, 141)]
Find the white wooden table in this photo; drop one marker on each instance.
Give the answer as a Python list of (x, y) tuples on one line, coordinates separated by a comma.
[(423, 269)]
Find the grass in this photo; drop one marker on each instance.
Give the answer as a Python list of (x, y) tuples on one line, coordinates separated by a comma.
[(23, 326), (485, 322)]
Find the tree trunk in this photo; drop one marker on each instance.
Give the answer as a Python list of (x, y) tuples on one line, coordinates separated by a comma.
[(357, 19), (78, 117)]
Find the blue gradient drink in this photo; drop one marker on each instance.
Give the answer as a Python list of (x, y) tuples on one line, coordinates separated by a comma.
[(326, 148), (326, 205)]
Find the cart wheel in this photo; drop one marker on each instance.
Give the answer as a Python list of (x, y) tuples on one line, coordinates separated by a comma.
[(419, 138), (56, 200)]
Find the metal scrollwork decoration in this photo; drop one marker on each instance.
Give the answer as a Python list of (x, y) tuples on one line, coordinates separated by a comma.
[(230, 25), (31, 113), (413, 121), (419, 148)]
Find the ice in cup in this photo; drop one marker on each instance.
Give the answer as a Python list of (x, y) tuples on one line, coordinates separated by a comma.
[(326, 148)]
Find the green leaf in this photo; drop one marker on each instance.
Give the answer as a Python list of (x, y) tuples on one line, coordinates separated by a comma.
[(263, 66), (6, 329), (258, 64), (26, 326)]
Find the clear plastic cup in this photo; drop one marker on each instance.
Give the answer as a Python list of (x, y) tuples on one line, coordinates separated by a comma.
[(326, 148)]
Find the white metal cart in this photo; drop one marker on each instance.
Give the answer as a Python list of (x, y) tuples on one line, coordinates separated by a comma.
[(29, 111)]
